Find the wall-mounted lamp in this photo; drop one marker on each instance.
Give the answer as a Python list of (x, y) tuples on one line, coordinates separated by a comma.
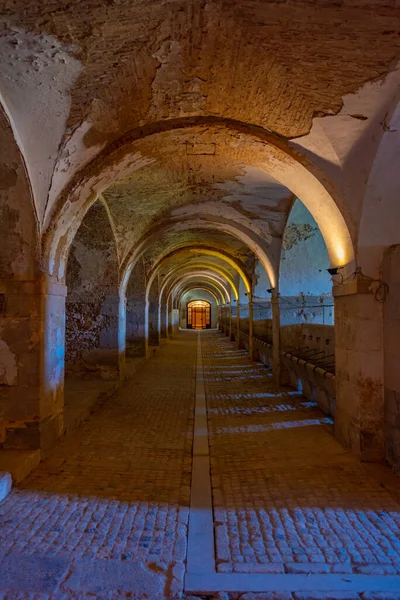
[(270, 290), (334, 270)]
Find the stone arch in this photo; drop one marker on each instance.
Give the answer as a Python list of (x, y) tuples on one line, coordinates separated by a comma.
[(170, 296), (155, 325), (164, 291), (198, 287), (200, 273), (205, 222), (203, 277), (207, 251), (283, 162)]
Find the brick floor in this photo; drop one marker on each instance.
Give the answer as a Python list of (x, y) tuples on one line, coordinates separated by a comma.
[(287, 497), (118, 488), (106, 517)]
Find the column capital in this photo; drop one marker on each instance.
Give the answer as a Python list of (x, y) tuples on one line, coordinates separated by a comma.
[(358, 285)]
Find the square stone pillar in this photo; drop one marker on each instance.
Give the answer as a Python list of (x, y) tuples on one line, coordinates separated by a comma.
[(238, 323), (136, 312), (359, 413), (135, 327), (175, 320), (251, 328), (153, 324), (170, 322), (276, 339), (163, 322), (32, 346)]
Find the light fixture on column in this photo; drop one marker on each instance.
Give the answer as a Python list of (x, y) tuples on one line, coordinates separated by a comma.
[(336, 271), (270, 290)]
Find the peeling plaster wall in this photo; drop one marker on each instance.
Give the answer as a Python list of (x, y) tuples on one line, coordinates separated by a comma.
[(304, 258), (141, 64), (261, 283), (92, 307), (305, 285)]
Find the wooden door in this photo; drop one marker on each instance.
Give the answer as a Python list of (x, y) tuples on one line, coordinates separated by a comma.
[(200, 318)]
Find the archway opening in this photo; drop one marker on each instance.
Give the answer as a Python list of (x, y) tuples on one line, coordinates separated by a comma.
[(198, 314)]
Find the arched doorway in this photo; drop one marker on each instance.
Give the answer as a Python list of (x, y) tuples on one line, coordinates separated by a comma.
[(198, 314)]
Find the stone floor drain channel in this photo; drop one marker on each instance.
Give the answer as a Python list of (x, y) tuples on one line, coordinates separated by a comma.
[(200, 557)]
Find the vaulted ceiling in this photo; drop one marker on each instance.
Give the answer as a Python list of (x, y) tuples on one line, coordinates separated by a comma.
[(97, 92)]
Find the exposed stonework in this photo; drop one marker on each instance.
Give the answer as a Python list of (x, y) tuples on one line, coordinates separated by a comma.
[(240, 152), (93, 299)]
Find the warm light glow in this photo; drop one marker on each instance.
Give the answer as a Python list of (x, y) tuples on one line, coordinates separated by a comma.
[(216, 254), (216, 269), (198, 303), (207, 277), (340, 253)]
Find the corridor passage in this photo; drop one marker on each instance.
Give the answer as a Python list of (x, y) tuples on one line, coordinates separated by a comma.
[(107, 515), (109, 510)]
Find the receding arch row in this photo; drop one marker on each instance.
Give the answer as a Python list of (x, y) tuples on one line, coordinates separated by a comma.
[(216, 280), (207, 251), (197, 279), (299, 174), (195, 267), (247, 237), (191, 287)]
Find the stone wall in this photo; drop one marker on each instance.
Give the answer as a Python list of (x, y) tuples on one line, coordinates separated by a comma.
[(92, 305), (306, 309), (320, 338), (136, 311), (391, 343)]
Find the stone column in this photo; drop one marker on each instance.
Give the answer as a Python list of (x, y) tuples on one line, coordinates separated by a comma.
[(251, 327), (135, 312), (238, 322), (32, 320), (122, 337), (230, 322), (175, 319), (153, 338), (359, 414), (170, 321), (163, 322), (167, 320), (276, 338)]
